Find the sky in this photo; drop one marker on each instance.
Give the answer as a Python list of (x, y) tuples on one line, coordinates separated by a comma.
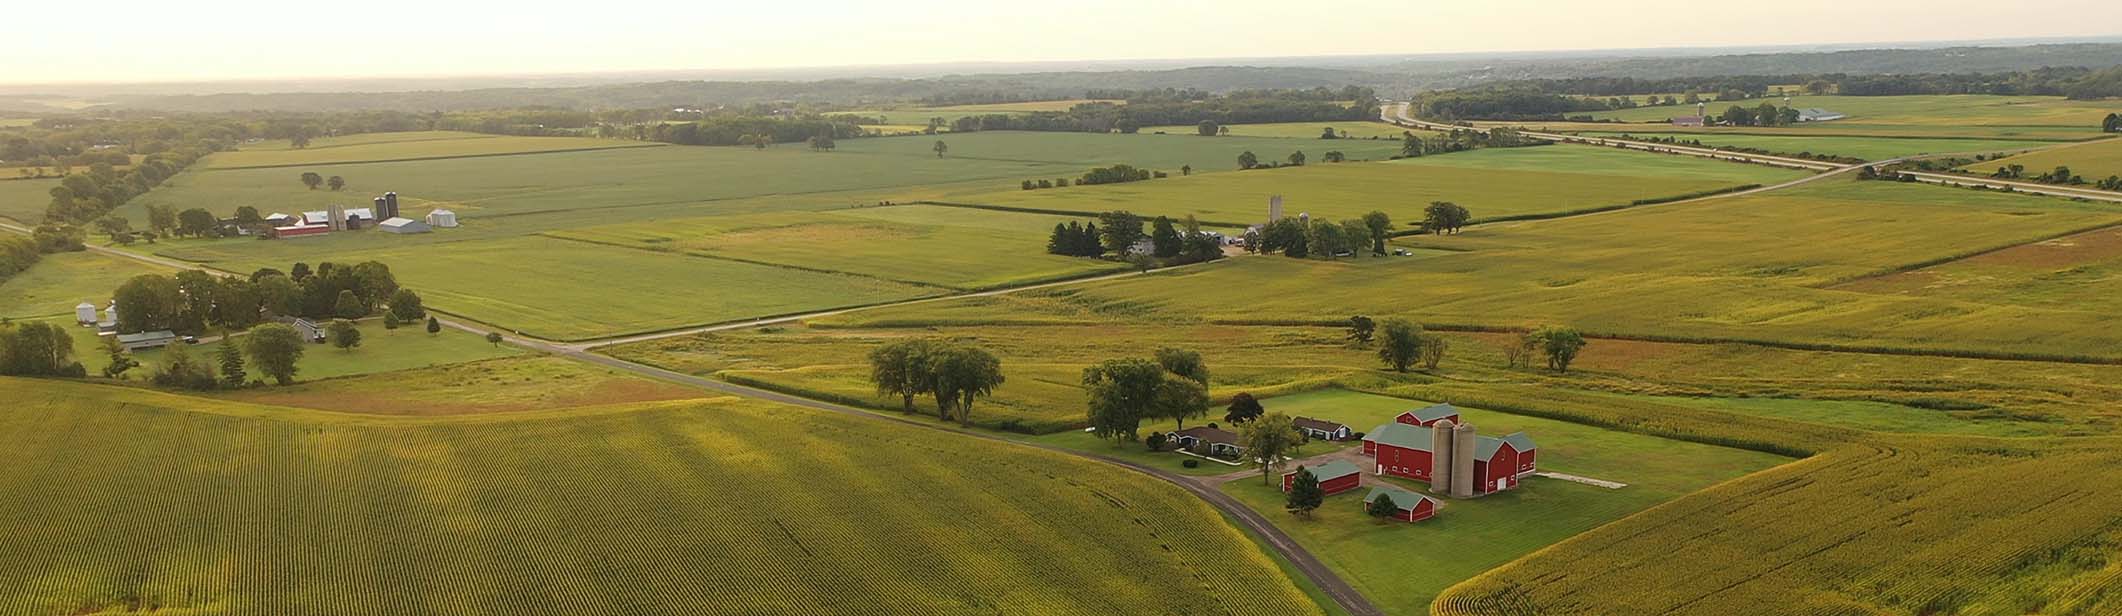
[(133, 40)]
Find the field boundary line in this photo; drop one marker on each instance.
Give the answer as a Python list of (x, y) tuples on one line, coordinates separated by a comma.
[(652, 144), (1927, 264), (696, 255), (1048, 212)]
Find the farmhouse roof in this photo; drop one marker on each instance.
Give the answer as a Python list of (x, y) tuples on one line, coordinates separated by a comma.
[(1402, 499), (1435, 412), (1317, 424), (1331, 470), (1208, 434), (1400, 435)]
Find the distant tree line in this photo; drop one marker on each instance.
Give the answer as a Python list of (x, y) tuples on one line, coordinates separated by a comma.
[(1236, 108), (17, 253), (1555, 99), (1322, 239)]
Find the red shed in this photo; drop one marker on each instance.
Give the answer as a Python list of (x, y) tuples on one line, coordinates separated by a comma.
[(1334, 477), (1429, 416), (1495, 465), (1527, 451), (1411, 507)]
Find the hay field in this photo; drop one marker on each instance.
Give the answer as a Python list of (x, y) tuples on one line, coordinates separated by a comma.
[(25, 200), (2080, 272), (606, 509), (1350, 129), (59, 281), (505, 385), (1867, 148), (958, 248), (1494, 183), (374, 147), (1961, 115), (2094, 161)]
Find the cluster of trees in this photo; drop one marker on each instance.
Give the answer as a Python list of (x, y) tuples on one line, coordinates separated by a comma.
[(37, 349), (1463, 139), (273, 350), (954, 373), (2073, 82), (756, 131), (192, 301), (1076, 240), (82, 197), (1502, 103), (1321, 239), (2060, 175), (1808, 154), (312, 180), (1117, 174), (1245, 107), (1557, 345), (1249, 160), (17, 253), (1401, 343), (1767, 114), (1172, 242), (1443, 217), (1172, 384)]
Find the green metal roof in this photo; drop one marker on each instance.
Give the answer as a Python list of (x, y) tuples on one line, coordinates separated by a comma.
[(1401, 498), (1519, 440), (1400, 435), (1331, 470), (1435, 412)]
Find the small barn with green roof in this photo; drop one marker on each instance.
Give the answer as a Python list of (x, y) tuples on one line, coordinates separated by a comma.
[(1334, 477), (1408, 506)]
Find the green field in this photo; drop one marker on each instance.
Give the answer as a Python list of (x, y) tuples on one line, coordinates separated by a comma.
[(1402, 567), (2076, 273), (219, 507), (510, 384), (1493, 183), (25, 200), (402, 146), (2093, 161), (1965, 115), (921, 115), (382, 350), (60, 281), (1868, 148), (953, 247), (1352, 129)]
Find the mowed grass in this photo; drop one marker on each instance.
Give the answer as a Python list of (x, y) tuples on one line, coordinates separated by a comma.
[(2094, 161), (382, 350), (1970, 115), (60, 281), (1401, 566), (1868, 148), (401, 146), (1352, 129), (25, 200), (1493, 183), (505, 385), (623, 508), (961, 248)]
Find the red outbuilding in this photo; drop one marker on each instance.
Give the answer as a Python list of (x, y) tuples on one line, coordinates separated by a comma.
[(1429, 416), (1408, 506), (1496, 464), (1401, 450), (1334, 477)]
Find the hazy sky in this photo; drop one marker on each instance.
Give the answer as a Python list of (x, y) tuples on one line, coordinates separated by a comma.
[(129, 40)]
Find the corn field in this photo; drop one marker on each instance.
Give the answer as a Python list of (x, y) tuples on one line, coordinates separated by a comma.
[(120, 500)]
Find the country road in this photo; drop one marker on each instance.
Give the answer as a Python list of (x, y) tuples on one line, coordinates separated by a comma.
[(1320, 576)]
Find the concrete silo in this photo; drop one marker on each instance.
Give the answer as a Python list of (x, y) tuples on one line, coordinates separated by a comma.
[(1440, 457), (1463, 461)]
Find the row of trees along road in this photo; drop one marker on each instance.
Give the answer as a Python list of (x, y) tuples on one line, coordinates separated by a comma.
[(954, 373), (192, 301)]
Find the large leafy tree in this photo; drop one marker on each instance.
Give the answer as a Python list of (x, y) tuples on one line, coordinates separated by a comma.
[(1400, 344), (1243, 408), (1122, 229), (901, 369), (275, 348), (1560, 345), (1121, 393), (1381, 228), (1268, 440), (963, 373)]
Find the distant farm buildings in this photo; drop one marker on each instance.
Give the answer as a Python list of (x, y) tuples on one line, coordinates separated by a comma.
[(1693, 120), (442, 219), (1448, 454), (403, 226), (1815, 114), (147, 340), (1320, 429), (384, 213)]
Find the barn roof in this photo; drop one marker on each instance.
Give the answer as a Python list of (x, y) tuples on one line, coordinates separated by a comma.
[(1331, 470), (153, 336), (1401, 498), (1317, 424), (1400, 435), (1520, 441), (1485, 447), (1434, 412)]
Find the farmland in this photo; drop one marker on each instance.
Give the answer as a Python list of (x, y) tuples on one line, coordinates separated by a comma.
[(382, 350), (417, 145), (504, 385), (1493, 183), (60, 281), (921, 115), (1403, 567), (2019, 117), (25, 200), (2073, 272), (2093, 161), (953, 247), (600, 509), (1867, 148), (1299, 130)]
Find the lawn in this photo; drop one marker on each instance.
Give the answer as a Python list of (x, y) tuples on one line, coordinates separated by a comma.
[(1493, 183), (25, 200), (213, 506), (1867, 148), (960, 248), (503, 385), (1401, 567), (1351, 129), (60, 281), (373, 147), (1962, 115), (381, 351), (2093, 161)]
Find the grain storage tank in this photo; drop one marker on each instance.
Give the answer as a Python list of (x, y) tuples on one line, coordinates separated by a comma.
[(1440, 456), (1463, 461)]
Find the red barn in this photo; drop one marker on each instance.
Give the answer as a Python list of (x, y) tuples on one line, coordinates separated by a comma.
[(1426, 417), (1527, 451), (1495, 465), (1401, 450), (1409, 506), (301, 230), (1334, 477)]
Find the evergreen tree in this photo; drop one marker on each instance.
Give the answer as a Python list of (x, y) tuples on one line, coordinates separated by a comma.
[(120, 360), (1382, 507), (1088, 245), (1305, 493), (434, 326), (1164, 239), (348, 306), (1061, 241), (231, 356)]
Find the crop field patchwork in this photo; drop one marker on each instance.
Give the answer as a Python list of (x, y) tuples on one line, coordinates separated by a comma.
[(1492, 183), (2038, 117), (402, 146), (507, 385), (2076, 272), (1867, 148), (953, 247), (1351, 130), (382, 351), (2093, 161), (606, 509)]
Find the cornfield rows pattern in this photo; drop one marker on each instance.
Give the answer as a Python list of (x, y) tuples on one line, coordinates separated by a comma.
[(133, 501)]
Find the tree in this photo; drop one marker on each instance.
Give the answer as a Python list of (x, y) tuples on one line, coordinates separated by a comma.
[(1444, 216), (1248, 160), (390, 320), (37, 349), (433, 326), (343, 334), (312, 180), (1738, 116), (1186, 169), (1335, 156), (1412, 146), (1767, 114), (231, 359), (299, 141), (1287, 235), (2112, 124), (1122, 229), (1401, 344), (161, 218), (821, 143), (178, 369), (275, 348), (1207, 128), (901, 369), (1560, 345), (335, 182), (1305, 494), (1433, 347), (1520, 352), (1243, 408), (940, 148), (299, 272), (147, 302), (406, 306), (196, 222), (120, 359), (248, 216), (1381, 228), (1383, 508), (1187, 395), (1361, 330), (963, 373), (1120, 393), (1269, 439), (348, 305), (493, 338), (1329, 134), (1296, 158), (1164, 238)]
